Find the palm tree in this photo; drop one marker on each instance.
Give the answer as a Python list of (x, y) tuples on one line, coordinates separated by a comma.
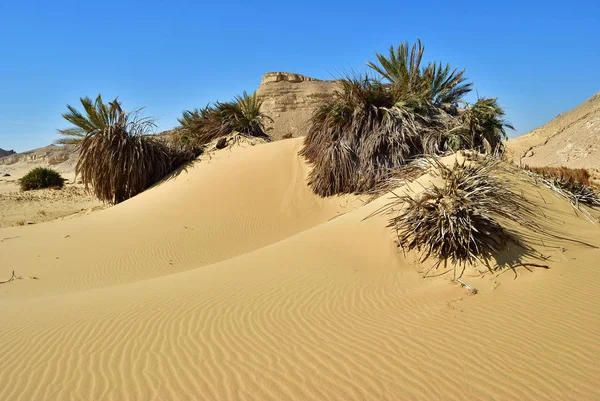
[(198, 127), (96, 117), (480, 126), (434, 83), (372, 126), (118, 158)]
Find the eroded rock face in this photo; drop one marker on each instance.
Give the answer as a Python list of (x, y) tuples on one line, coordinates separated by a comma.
[(290, 99), (51, 155), (284, 76)]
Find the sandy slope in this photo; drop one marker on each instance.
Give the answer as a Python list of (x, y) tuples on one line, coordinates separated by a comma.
[(232, 281), (571, 139)]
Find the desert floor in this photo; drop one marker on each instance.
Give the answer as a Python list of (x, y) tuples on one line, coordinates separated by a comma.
[(31, 207), (232, 281)]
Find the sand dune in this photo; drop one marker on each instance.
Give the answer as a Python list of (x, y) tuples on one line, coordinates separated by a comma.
[(232, 281)]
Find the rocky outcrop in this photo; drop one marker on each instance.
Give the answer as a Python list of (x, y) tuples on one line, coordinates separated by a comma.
[(50, 155), (572, 139), (4, 153), (290, 99)]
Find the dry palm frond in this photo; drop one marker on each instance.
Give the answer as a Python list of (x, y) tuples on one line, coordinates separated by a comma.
[(460, 221)]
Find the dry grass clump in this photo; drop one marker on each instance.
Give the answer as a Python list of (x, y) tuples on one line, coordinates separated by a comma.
[(374, 125), (462, 220), (573, 184), (202, 126), (573, 175)]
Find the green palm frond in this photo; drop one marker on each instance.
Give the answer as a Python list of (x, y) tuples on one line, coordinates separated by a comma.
[(410, 82), (96, 117), (243, 115)]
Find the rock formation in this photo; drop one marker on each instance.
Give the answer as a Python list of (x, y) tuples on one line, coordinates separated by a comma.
[(4, 153), (290, 99)]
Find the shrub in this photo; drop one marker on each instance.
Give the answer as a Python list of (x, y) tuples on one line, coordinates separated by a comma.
[(459, 221), (118, 158), (372, 126), (572, 175), (122, 160), (572, 183), (41, 177), (201, 126)]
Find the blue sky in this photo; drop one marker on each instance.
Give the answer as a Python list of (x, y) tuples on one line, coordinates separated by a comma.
[(538, 58)]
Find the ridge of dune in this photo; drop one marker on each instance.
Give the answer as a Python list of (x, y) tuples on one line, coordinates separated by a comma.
[(270, 297), (224, 205)]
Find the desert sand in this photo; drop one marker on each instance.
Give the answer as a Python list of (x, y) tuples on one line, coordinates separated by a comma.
[(233, 281), (570, 139), (32, 207)]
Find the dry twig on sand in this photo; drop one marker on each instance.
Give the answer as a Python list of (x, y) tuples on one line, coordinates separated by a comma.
[(13, 277)]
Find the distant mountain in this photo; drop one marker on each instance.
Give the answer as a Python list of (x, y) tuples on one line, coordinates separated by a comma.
[(6, 152), (572, 139)]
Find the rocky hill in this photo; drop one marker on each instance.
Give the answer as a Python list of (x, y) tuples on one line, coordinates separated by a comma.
[(290, 99), (60, 158), (4, 153), (572, 139)]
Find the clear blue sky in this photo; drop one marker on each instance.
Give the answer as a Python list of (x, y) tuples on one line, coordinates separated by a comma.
[(539, 58)]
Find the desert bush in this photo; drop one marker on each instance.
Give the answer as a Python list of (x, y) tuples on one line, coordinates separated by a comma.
[(41, 177), (572, 183), (461, 220), (480, 126), (573, 175), (198, 127), (374, 125)]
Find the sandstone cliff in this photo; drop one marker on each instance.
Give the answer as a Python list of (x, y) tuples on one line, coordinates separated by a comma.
[(290, 99)]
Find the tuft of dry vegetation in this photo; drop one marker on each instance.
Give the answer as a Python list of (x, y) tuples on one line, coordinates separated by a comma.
[(573, 175), (461, 221), (571, 183), (374, 125)]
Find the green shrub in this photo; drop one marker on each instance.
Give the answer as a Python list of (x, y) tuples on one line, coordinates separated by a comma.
[(201, 126), (41, 177)]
